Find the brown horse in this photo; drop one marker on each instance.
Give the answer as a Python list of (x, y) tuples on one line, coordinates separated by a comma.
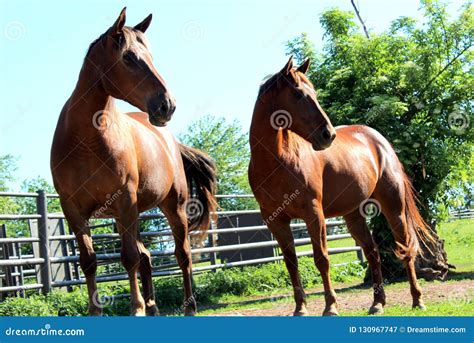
[(108, 164), (292, 176)]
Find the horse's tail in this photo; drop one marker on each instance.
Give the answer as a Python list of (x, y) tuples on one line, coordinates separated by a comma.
[(202, 184), (418, 229)]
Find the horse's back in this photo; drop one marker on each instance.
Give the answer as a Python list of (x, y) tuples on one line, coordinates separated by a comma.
[(352, 167)]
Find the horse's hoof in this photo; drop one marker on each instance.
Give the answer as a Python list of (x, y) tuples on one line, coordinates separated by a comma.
[(95, 311), (330, 312), (419, 306), (376, 309), (138, 312), (188, 312), (152, 311), (300, 313)]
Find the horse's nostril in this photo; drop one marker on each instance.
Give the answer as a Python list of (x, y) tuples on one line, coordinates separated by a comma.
[(164, 108), (326, 135)]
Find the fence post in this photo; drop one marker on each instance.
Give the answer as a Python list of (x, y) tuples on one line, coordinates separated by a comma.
[(43, 235), (212, 243)]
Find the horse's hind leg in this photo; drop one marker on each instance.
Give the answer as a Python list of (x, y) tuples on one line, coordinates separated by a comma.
[(280, 228), (87, 255), (390, 193), (360, 232), (175, 212), (146, 279)]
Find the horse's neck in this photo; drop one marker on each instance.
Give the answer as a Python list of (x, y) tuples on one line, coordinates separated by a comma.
[(88, 106), (269, 145)]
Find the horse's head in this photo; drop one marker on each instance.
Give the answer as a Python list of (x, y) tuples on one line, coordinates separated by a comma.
[(127, 72), (295, 96)]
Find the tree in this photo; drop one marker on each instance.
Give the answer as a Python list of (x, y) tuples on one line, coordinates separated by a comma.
[(7, 204), (28, 205), (413, 83), (227, 145)]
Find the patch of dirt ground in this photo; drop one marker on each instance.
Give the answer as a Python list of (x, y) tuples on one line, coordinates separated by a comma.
[(351, 298)]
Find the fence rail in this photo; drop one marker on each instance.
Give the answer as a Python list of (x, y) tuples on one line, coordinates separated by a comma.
[(462, 214), (40, 265)]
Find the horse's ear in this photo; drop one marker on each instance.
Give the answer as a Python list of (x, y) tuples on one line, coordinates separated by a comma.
[(305, 66), (144, 24), (117, 28), (288, 66)]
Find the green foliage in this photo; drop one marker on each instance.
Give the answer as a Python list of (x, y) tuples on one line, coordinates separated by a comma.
[(227, 145), (7, 167), (35, 305), (28, 205)]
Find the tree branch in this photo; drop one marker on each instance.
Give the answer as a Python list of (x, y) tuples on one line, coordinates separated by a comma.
[(444, 68), (412, 109), (360, 19)]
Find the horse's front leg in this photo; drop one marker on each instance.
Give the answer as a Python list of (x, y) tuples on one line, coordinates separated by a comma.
[(316, 224), (281, 230), (87, 256), (147, 281), (127, 222)]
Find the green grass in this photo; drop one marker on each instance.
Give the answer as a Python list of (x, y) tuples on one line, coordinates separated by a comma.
[(434, 309), (335, 258), (459, 243)]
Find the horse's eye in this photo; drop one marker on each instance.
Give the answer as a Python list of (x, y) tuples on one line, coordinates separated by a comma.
[(129, 58), (299, 94)]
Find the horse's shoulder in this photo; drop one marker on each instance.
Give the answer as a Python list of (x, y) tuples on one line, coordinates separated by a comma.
[(162, 133), (139, 116), (142, 118)]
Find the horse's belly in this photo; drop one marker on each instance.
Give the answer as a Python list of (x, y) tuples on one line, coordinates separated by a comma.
[(344, 192), (156, 177), (341, 198)]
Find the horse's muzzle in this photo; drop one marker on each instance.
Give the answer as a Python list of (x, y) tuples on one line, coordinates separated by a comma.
[(161, 109), (325, 139)]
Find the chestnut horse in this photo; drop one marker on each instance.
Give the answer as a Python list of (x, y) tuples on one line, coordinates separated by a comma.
[(301, 167), (108, 164)]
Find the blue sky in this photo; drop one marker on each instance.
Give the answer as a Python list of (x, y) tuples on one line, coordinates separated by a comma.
[(212, 54)]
